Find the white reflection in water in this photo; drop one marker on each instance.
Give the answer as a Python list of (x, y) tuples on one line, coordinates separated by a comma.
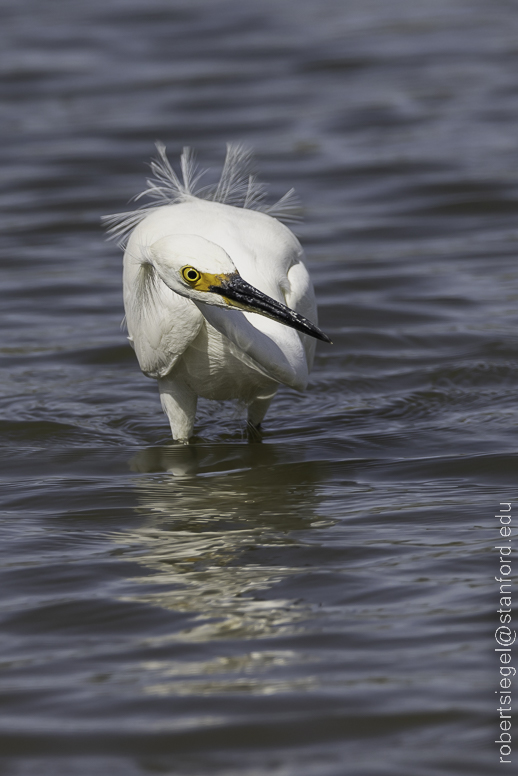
[(219, 532), (228, 674)]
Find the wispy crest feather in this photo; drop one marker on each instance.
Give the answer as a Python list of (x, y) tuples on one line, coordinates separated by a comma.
[(237, 186)]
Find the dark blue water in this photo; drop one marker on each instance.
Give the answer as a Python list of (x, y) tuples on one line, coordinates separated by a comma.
[(323, 602)]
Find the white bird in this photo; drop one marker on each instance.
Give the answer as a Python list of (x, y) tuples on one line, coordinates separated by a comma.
[(218, 301)]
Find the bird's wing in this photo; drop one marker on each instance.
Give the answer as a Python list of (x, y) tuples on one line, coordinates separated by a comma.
[(161, 324), (300, 297)]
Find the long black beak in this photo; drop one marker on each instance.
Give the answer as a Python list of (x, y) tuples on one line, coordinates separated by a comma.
[(242, 295)]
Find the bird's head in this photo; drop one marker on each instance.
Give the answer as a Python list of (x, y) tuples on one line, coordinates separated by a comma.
[(202, 271)]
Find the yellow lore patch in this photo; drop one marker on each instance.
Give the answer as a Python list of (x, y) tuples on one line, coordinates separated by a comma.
[(202, 281)]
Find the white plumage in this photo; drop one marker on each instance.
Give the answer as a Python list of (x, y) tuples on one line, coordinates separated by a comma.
[(196, 265)]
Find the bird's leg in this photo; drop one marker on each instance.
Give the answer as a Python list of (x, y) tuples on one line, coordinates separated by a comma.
[(179, 404), (258, 408), (254, 434)]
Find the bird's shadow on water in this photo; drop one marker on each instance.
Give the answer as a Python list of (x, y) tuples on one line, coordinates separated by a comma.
[(221, 526)]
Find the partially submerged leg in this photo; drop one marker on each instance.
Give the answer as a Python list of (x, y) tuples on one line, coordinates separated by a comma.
[(258, 408), (179, 404)]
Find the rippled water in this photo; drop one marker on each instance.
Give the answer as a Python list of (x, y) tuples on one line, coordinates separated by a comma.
[(321, 603)]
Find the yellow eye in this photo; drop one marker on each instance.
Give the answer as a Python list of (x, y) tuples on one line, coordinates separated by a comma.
[(190, 274)]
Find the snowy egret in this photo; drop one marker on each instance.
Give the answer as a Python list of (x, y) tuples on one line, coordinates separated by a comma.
[(218, 302)]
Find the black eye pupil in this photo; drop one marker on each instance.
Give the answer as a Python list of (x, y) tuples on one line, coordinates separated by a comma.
[(192, 275)]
